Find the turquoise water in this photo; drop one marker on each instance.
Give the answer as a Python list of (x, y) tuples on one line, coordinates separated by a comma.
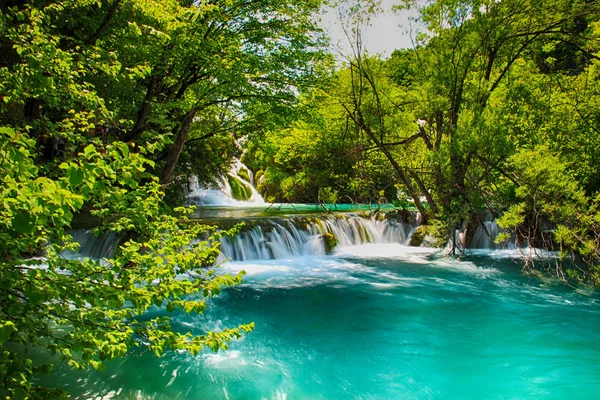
[(377, 322)]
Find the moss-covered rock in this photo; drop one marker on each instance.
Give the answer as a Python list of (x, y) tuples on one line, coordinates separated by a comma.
[(418, 236), (432, 235), (379, 216), (330, 242), (364, 214), (239, 190), (258, 175), (244, 174)]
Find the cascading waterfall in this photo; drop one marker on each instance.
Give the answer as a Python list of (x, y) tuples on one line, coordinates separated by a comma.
[(302, 237), (296, 236), (486, 233), (276, 238), (197, 194), (224, 194), (356, 230)]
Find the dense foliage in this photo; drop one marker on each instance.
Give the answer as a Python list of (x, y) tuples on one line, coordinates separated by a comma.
[(495, 110), (105, 105)]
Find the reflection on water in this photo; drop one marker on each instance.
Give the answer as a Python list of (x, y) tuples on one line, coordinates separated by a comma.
[(278, 210)]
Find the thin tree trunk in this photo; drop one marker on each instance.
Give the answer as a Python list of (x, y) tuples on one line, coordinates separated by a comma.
[(144, 112), (177, 147), (426, 193), (397, 168), (405, 179)]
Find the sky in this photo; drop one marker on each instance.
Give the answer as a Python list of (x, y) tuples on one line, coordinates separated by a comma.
[(388, 31)]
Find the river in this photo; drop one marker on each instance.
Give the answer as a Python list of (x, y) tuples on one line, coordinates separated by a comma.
[(374, 320)]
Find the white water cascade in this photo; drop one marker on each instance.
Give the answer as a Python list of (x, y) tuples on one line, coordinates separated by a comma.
[(302, 236), (90, 245), (279, 238), (276, 238), (485, 234), (223, 195)]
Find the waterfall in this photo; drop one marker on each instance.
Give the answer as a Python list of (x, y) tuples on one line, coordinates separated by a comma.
[(484, 236), (90, 245), (277, 238), (307, 236), (224, 195)]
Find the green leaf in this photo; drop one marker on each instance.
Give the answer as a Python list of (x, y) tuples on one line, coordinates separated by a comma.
[(89, 150), (7, 328), (8, 132), (123, 148), (170, 307), (75, 176), (23, 223)]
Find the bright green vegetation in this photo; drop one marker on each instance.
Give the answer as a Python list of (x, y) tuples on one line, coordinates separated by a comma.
[(110, 107)]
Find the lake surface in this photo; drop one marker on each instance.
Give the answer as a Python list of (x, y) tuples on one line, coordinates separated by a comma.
[(376, 321)]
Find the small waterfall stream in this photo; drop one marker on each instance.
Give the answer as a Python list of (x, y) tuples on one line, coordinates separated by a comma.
[(90, 245), (485, 236), (486, 233), (223, 195)]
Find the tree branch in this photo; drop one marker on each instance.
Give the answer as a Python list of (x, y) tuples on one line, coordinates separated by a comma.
[(111, 13)]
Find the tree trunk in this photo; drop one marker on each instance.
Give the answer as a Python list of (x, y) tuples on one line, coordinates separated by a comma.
[(411, 189), (144, 112), (111, 13), (177, 147), (426, 193)]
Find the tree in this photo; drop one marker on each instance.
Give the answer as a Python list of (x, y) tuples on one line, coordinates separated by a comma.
[(507, 110), (374, 105), (471, 49), (320, 157), (87, 310), (100, 99)]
